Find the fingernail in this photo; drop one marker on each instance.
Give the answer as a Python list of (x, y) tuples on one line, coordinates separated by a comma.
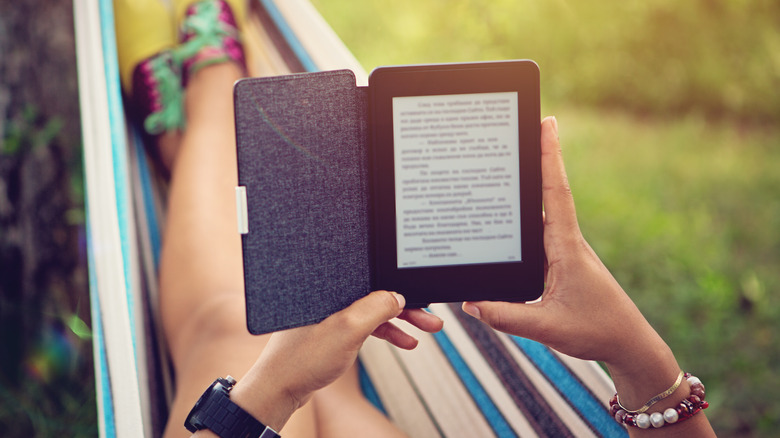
[(472, 310), (555, 125), (400, 298)]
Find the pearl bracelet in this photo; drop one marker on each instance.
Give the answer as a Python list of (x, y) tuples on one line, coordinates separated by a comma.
[(684, 410)]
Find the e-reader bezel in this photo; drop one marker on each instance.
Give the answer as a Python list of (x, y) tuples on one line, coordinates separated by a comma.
[(505, 281)]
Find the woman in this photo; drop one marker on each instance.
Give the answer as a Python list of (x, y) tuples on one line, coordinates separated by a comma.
[(303, 382)]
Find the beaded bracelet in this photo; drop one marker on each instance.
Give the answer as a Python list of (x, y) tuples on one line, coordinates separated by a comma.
[(684, 410)]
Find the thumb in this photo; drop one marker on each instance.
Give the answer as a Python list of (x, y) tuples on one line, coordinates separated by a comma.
[(518, 319), (560, 222), (363, 316)]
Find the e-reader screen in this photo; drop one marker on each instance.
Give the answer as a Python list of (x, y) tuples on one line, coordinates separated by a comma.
[(457, 179)]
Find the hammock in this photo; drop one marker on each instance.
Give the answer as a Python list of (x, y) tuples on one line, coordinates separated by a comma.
[(467, 380)]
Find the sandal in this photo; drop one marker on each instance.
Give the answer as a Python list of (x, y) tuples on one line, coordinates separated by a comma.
[(209, 34), (150, 76), (157, 96)]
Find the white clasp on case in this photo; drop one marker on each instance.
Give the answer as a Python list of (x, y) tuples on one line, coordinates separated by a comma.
[(241, 210)]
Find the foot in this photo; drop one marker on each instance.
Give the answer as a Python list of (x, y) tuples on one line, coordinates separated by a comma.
[(157, 94), (151, 77), (209, 34)]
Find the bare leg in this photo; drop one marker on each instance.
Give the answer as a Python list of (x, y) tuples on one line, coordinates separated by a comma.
[(342, 411), (167, 145), (201, 277)]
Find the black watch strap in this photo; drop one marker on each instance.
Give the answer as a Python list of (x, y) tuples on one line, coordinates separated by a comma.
[(217, 413)]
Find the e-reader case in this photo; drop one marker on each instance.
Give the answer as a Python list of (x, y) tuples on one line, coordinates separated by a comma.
[(303, 162)]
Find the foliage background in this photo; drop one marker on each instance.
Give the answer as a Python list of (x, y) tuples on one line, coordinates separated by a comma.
[(668, 112), (46, 377)]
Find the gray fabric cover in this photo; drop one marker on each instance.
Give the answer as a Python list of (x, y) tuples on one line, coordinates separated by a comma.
[(303, 159)]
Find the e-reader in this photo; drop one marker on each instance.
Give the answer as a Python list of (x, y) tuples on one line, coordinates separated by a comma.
[(456, 181)]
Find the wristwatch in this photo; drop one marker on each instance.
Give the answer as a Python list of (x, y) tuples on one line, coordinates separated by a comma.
[(216, 412)]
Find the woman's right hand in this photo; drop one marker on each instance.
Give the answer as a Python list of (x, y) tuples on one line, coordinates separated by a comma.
[(583, 311)]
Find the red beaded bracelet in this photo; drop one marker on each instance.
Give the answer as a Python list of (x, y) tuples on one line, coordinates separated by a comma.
[(684, 410)]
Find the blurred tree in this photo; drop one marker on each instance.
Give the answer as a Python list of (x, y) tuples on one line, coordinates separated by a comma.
[(720, 58), (46, 379)]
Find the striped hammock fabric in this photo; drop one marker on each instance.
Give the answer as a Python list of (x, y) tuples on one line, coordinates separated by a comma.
[(470, 380), (467, 380)]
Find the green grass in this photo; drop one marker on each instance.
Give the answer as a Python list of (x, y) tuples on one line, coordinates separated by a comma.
[(658, 55), (668, 113), (686, 214)]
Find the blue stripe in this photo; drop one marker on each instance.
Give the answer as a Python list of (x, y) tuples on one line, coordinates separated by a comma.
[(118, 146), (295, 45), (481, 398), (590, 409), (118, 149)]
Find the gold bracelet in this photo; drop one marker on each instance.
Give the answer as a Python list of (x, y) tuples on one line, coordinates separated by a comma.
[(655, 399)]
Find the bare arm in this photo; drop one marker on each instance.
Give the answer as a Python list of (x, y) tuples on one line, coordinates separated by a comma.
[(585, 313)]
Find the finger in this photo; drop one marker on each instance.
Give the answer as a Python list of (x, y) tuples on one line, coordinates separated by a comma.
[(519, 319), (363, 316), (423, 320), (395, 336), (560, 215)]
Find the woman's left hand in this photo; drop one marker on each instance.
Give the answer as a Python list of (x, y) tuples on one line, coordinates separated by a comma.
[(299, 361)]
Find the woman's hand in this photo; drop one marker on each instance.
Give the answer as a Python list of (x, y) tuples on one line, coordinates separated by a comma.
[(583, 311), (299, 361)]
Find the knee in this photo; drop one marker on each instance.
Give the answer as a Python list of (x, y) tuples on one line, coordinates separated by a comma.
[(221, 318)]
